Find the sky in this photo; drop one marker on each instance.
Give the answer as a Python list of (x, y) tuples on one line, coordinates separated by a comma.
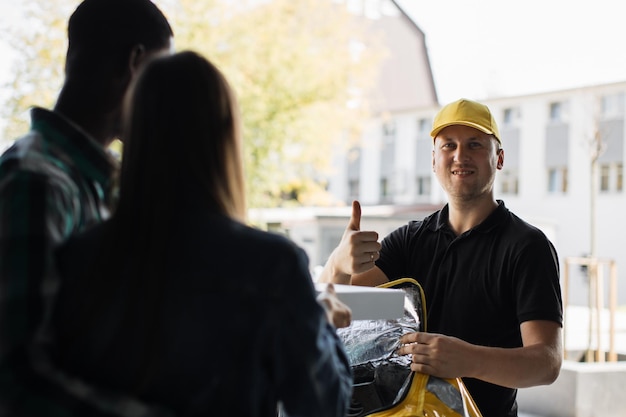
[(494, 48)]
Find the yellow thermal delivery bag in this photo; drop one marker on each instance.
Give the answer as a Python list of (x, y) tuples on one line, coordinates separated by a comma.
[(384, 385)]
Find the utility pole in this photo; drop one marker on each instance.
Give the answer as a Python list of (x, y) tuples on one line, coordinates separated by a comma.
[(592, 272), (596, 149)]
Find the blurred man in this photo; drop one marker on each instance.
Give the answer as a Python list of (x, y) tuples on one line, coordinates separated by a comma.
[(57, 181)]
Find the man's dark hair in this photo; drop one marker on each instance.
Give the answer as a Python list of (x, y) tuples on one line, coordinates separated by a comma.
[(102, 34)]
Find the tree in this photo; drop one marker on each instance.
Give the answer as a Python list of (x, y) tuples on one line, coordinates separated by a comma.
[(291, 63), (40, 40)]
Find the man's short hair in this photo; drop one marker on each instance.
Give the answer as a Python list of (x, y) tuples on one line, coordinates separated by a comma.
[(102, 33)]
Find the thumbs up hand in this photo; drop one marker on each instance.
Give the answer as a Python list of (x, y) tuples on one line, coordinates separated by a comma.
[(355, 218), (357, 251)]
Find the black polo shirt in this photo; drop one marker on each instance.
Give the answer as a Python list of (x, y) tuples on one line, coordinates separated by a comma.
[(479, 286)]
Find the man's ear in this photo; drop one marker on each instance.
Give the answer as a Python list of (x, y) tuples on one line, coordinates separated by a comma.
[(500, 159), (137, 55)]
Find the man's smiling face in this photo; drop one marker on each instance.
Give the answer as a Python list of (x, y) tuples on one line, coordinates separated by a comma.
[(465, 161)]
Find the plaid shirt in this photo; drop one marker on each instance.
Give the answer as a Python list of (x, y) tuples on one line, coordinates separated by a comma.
[(54, 183)]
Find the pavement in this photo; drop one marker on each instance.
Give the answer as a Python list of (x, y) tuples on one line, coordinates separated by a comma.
[(579, 336)]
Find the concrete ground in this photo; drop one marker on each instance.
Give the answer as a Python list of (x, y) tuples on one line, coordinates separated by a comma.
[(583, 383)]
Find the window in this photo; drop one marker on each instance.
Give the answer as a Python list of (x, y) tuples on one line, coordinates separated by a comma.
[(557, 180), (510, 116), (507, 117), (612, 105), (611, 177), (354, 172), (556, 112), (509, 182), (389, 130), (387, 160), (605, 177), (423, 186), (353, 188), (384, 189), (423, 128)]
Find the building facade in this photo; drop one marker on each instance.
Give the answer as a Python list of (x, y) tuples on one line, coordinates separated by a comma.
[(563, 169), (563, 166)]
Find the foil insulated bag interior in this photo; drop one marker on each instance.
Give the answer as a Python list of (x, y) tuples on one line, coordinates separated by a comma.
[(384, 385)]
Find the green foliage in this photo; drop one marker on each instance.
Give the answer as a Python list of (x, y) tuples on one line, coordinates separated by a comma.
[(289, 62), (39, 38)]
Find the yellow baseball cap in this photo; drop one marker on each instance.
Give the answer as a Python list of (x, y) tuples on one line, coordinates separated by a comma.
[(467, 113)]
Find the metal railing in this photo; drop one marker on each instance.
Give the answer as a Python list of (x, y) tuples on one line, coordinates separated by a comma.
[(596, 269)]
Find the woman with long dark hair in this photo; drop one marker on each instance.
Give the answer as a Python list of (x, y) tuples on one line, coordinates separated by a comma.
[(174, 300)]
